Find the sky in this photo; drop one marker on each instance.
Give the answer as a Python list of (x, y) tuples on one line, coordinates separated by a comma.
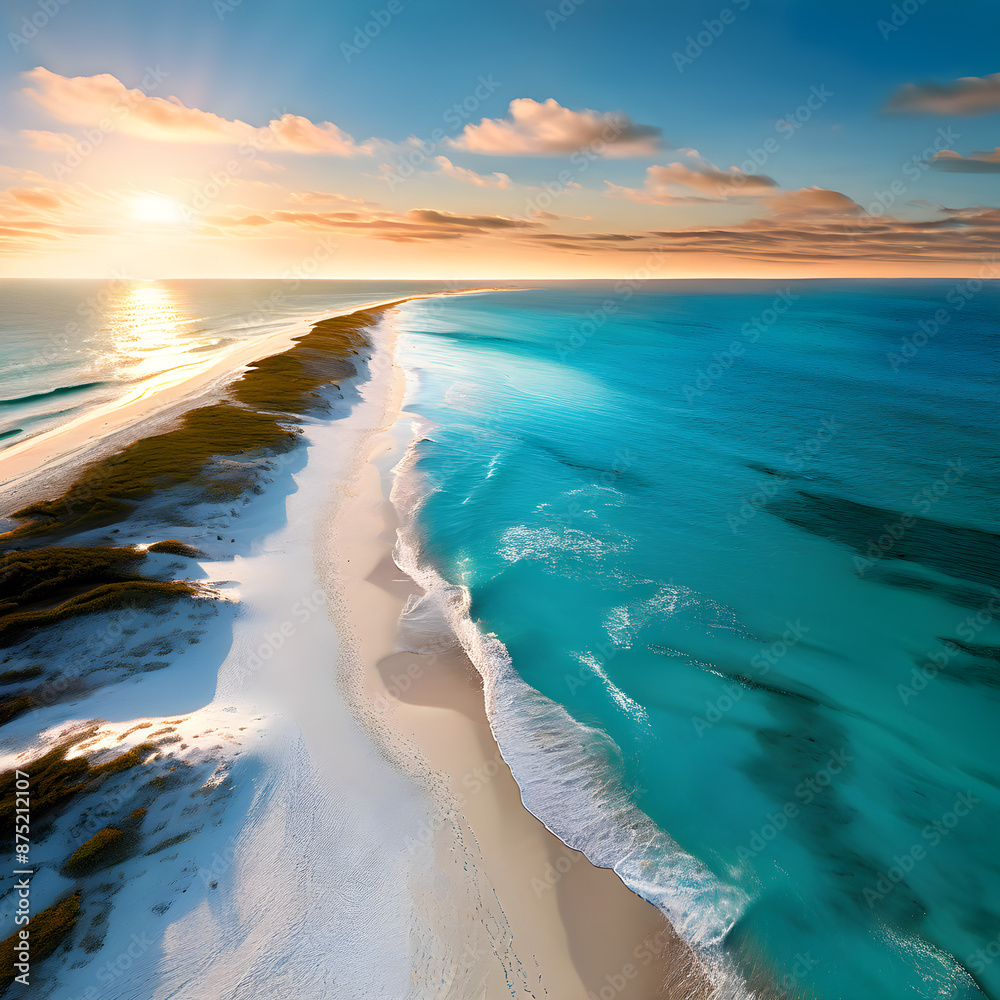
[(500, 139)]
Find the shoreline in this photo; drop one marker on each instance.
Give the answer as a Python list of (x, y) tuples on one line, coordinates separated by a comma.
[(493, 904), (571, 928), (155, 402)]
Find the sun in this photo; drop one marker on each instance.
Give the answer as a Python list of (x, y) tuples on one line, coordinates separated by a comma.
[(158, 208)]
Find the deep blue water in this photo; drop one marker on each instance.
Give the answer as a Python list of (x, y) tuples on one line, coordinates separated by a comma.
[(748, 532)]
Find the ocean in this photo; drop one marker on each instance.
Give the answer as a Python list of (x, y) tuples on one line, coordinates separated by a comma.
[(727, 555), (71, 345), (731, 551)]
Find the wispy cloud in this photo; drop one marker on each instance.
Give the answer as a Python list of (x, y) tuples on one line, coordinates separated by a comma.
[(89, 100), (982, 162), (496, 179), (711, 183), (969, 95), (546, 128)]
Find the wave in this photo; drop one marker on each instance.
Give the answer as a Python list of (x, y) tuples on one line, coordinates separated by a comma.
[(64, 390), (570, 774)]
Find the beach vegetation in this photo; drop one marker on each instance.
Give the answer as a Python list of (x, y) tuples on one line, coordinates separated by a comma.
[(172, 547), (290, 382), (21, 674), (258, 418), (13, 706), (111, 489), (109, 597), (102, 850), (28, 577), (48, 929), (56, 778)]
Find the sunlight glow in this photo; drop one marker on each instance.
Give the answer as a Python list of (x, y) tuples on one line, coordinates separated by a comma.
[(158, 209)]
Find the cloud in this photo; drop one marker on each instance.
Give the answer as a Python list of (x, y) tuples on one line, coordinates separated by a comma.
[(49, 142), (416, 225), (93, 100), (814, 226), (710, 181), (969, 95), (36, 198), (982, 162), (813, 202), (449, 169), (546, 128)]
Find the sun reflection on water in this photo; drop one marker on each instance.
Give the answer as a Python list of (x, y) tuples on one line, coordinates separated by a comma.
[(149, 331)]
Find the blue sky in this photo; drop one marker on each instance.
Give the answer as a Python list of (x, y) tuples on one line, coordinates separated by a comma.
[(255, 61)]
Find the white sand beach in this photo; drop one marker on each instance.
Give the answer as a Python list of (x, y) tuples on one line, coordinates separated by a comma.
[(360, 834)]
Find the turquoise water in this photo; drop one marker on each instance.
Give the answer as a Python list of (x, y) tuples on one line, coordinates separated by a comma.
[(740, 541)]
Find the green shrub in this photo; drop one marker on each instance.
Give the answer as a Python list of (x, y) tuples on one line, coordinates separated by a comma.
[(109, 597), (50, 573), (172, 547), (48, 929), (103, 849), (11, 708), (21, 674)]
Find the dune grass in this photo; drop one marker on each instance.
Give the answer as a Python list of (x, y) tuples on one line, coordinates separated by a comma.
[(102, 850), (172, 547), (13, 706), (108, 597), (259, 417), (288, 383), (46, 574), (42, 587), (110, 490), (21, 674), (48, 930), (55, 778)]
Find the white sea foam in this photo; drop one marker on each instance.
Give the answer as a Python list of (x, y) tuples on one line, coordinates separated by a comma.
[(570, 774)]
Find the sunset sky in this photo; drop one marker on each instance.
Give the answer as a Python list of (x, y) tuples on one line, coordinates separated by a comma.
[(499, 139)]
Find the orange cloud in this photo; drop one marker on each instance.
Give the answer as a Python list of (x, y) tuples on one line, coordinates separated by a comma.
[(532, 128), (93, 100), (49, 142), (660, 187), (812, 202), (496, 179)]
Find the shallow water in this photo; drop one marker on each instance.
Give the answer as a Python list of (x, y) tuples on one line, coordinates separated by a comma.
[(740, 541)]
